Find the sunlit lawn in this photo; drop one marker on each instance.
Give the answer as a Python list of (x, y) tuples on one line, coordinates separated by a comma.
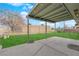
[(21, 39)]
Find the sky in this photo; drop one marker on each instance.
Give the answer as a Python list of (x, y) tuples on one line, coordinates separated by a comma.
[(24, 8)]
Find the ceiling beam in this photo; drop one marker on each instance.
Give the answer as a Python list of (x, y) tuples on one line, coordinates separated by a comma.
[(42, 19), (40, 9), (59, 14), (49, 9), (58, 19), (53, 12), (43, 10), (67, 9)]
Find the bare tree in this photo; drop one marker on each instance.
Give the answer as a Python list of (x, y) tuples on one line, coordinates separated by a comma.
[(12, 20)]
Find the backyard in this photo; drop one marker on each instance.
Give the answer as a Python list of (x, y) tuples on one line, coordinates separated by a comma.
[(21, 39)]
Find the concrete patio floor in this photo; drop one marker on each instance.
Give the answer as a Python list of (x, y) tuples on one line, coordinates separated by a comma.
[(54, 46)]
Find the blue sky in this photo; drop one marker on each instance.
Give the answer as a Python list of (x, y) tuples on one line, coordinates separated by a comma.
[(24, 8), (17, 7)]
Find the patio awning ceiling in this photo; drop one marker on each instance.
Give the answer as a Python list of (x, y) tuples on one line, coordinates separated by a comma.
[(52, 12)]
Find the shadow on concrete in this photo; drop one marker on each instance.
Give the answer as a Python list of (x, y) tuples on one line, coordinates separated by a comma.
[(73, 46)]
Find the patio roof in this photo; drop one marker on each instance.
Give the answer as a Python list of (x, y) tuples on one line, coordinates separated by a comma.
[(52, 12)]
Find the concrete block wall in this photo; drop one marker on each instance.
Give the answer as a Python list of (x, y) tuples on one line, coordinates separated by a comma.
[(33, 29)]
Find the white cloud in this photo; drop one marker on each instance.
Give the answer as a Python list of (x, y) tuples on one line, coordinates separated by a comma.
[(48, 24), (16, 4), (29, 6), (70, 23), (24, 8), (24, 14)]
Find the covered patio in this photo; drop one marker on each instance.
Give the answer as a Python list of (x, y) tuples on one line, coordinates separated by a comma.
[(53, 13)]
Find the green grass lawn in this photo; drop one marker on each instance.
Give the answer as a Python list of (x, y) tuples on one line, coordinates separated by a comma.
[(20, 39)]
